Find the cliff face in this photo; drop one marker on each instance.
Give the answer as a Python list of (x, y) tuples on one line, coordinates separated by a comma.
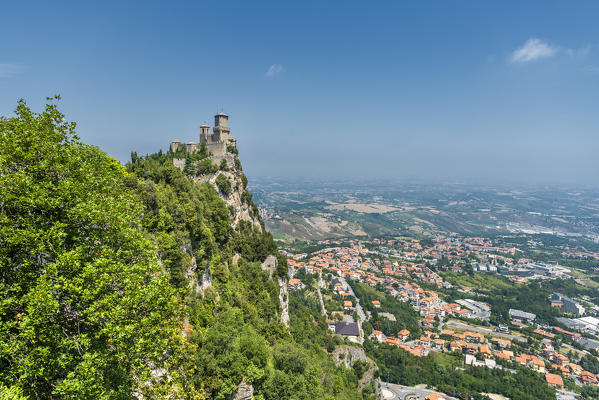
[(348, 356), (238, 199), (224, 172), (228, 179)]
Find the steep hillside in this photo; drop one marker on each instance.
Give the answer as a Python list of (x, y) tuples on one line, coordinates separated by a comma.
[(149, 281), (224, 173)]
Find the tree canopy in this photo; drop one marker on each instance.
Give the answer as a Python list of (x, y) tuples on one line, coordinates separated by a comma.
[(99, 265), (86, 310)]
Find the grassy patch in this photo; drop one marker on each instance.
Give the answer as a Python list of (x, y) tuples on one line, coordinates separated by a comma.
[(478, 281)]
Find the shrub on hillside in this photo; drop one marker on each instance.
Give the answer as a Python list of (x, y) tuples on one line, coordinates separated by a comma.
[(223, 184)]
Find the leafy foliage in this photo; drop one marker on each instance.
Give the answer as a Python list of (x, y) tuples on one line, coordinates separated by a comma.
[(232, 149), (403, 368), (406, 317), (253, 244), (98, 266), (206, 166), (223, 166), (11, 393), (224, 184), (589, 392), (590, 363), (86, 310)]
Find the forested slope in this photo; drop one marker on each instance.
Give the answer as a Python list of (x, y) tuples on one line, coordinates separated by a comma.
[(102, 273)]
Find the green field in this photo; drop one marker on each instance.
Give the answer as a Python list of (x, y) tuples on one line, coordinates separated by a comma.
[(478, 281)]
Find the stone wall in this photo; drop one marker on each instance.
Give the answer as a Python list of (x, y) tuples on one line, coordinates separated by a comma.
[(217, 149)]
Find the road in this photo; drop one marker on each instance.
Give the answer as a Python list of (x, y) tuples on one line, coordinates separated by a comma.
[(391, 391), (323, 310), (359, 309), (460, 325)]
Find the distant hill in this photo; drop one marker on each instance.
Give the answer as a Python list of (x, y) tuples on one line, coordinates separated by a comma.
[(322, 210)]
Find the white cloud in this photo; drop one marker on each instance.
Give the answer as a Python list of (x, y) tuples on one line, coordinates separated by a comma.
[(274, 70), (9, 69), (533, 49)]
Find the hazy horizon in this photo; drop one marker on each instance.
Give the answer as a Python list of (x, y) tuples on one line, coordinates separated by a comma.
[(469, 93)]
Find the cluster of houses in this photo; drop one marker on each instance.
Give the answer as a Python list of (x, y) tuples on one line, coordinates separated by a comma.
[(476, 252), (401, 278), (352, 263), (581, 254), (446, 252), (481, 350)]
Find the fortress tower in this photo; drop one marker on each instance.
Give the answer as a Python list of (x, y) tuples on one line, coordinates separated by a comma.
[(221, 127), (204, 133), (216, 143), (175, 145)]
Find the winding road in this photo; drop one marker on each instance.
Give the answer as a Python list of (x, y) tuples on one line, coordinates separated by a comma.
[(359, 309), (323, 310)]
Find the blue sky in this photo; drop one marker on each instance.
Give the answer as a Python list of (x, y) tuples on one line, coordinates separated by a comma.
[(445, 91)]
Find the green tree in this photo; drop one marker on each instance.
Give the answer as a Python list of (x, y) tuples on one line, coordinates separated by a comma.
[(98, 273), (223, 166), (224, 184), (206, 166), (11, 393), (86, 310), (187, 168)]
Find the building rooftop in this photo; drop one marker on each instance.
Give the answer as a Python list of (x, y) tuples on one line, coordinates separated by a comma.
[(554, 379), (521, 314), (347, 328)]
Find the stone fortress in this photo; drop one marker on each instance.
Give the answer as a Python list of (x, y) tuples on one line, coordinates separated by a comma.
[(216, 143), (221, 147)]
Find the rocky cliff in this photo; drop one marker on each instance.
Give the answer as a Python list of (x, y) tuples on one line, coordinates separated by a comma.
[(348, 356), (226, 175)]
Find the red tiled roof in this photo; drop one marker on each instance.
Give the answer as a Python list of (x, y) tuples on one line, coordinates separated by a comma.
[(554, 379)]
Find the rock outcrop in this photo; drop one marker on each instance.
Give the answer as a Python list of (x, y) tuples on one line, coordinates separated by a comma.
[(270, 265), (231, 184), (245, 391), (206, 279), (232, 188), (348, 355), (242, 211), (284, 300)]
